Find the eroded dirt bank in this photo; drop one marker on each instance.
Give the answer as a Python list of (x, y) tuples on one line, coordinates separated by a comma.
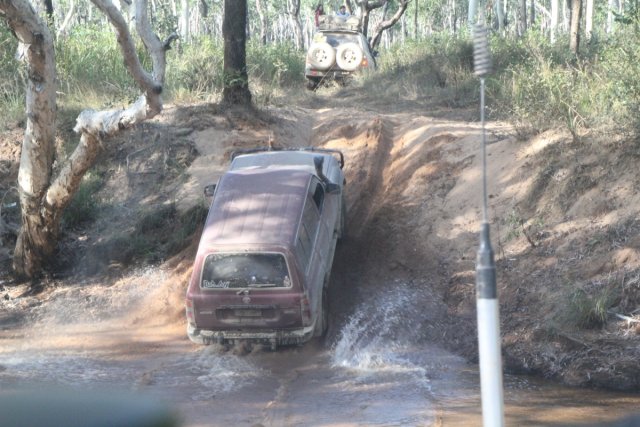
[(562, 213), (564, 231)]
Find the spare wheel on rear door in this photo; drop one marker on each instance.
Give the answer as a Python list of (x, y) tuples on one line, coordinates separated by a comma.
[(349, 56), (321, 56)]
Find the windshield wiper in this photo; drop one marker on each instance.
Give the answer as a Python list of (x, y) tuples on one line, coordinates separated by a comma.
[(261, 285)]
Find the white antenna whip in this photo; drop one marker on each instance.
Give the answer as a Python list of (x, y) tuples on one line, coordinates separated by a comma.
[(487, 301)]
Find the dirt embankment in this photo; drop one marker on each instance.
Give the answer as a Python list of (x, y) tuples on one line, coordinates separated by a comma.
[(563, 218)]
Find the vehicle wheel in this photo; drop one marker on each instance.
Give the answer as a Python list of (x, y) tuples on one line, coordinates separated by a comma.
[(322, 324), (349, 56), (321, 56)]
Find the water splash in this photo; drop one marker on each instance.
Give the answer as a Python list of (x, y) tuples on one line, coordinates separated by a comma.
[(63, 369), (96, 302), (214, 371), (205, 373), (381, 336)]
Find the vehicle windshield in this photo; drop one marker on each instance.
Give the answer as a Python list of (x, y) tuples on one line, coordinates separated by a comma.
[(245, 270)]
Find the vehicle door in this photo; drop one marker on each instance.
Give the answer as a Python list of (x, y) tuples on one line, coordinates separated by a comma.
[(313, 240)]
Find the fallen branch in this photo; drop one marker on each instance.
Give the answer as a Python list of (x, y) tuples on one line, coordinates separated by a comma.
[(623, 317)]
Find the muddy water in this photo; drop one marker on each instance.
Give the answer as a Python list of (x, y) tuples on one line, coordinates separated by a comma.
[(371, 374)]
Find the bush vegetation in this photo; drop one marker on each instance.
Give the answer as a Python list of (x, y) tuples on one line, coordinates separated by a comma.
[(536, 84), (84, 206), (157, 235)]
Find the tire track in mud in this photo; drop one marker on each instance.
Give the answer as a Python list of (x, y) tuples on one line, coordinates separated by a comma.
[(367, 174), (366, 141)]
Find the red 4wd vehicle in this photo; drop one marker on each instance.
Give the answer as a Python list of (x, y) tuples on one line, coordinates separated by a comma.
[(262, 268), (338, 51)]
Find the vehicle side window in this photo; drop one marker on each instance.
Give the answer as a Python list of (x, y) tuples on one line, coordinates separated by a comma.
[(303, 246), (318, 196), (308, 227)]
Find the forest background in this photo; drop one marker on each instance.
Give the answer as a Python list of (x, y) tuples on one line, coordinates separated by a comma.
[(542, 78), (567, 64)]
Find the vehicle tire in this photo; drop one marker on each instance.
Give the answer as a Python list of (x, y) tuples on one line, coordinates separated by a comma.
[(349, 56), (321, 56), (322, 324)]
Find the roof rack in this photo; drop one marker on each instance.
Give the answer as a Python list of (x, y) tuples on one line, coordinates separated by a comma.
[(333, 22), (237, 153)]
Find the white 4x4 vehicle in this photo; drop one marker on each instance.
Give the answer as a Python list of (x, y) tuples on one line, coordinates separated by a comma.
[(338, 51)]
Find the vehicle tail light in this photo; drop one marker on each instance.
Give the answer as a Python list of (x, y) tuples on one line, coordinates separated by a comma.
[(305, 309), (191, 318), (364, 62)]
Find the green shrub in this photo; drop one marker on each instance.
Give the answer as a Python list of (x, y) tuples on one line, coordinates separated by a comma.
[(163, 232), (194, 70), (89, 58), (188, 223), (544, 85), (588, 310), (440, 67), (84, 206), (275, 64)]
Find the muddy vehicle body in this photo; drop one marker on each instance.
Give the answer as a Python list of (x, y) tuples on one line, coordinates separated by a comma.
[(338, 51), (262, 269)]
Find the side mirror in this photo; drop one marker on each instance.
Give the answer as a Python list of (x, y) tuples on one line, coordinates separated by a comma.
[(329, 187), (209, 190)]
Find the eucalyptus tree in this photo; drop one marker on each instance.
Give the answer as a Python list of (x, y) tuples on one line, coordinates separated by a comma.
[(588, 21), (293, 7), (185, 16), (48, 4), (385, 24), (522, 21), (574, 36), (366, 6), (261, 7), (45, 191), (555, 8), (236, 80)]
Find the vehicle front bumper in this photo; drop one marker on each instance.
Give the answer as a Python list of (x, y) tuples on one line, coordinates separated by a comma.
[(318, 75), (272, 338)]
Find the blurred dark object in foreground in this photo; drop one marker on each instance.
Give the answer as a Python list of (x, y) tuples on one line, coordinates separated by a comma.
[(66, 408)]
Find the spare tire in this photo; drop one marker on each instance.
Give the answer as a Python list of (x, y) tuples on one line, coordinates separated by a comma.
[(321, 56), (349, 56)]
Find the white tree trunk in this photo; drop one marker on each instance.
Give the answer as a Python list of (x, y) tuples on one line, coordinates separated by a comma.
[(588, 23), (263, 22), (566, 15), (184, 20), (473, 10), (42, 196), (35, 240), (500, 14), (554, 20), (62, 30), (610, 16)]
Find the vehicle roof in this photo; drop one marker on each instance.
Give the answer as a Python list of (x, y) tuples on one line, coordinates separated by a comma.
[(293, 159), (256, 206)]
